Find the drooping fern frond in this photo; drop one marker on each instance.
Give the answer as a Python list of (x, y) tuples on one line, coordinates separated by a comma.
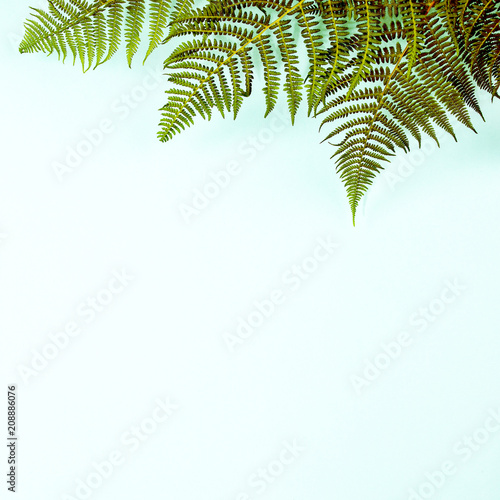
[(92, 31), (336, 55), (369, 21), (481, 42), (413, 15), (393, 104), (159, 21), (380, 73), (209, 69), (133, 27)]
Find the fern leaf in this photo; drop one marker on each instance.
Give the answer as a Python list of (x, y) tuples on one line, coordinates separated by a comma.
[(413, 14), (336, 57), (313, 42), (380, 72), (136, 11), (368, 24), (270, 69), (231, 59), (115, 21), (100, 32), (293, 80), (66, 25), (158, 23), (92, 30), (379, 117)]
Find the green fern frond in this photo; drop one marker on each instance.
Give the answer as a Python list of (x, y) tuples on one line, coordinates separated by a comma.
[(393, 103), (293, 79), (481, 43), (368, 23), (413, 14), (313, 40), (270, 70), (336, 56), (159, 19), (380, 72), (93, 30), (133, 27), (440, 54), (113, 39), (68, 24), (249, 31)]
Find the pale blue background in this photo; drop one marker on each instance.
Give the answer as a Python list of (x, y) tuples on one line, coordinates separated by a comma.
[(164, 335)]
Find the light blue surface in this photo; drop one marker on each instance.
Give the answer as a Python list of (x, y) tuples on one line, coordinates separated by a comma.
[(427, 242)]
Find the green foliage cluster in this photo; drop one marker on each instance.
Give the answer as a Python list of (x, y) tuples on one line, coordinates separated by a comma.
[(379, 72)]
